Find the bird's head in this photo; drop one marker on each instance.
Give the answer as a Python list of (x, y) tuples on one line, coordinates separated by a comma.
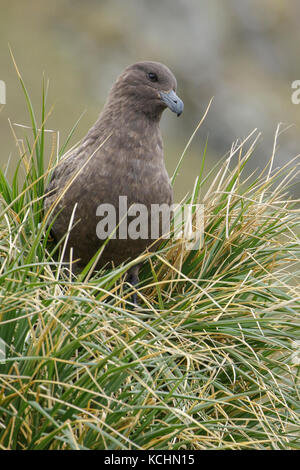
[(149, 88)]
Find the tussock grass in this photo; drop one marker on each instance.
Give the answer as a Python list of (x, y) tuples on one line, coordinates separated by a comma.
[(208, 361)]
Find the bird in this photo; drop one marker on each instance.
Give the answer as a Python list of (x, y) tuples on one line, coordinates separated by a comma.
[(120, 156)]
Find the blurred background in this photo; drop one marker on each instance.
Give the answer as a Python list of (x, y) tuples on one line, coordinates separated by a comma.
[(245, 53)]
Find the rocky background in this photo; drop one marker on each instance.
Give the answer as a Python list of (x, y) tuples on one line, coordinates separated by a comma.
[(245, 53)]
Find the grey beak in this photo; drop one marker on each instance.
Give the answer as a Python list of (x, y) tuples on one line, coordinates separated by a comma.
[(172, 101)]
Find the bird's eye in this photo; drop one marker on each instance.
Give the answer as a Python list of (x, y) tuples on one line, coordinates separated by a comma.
[(152, 76)]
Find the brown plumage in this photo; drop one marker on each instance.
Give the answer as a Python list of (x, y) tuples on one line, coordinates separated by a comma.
[(122, 154)]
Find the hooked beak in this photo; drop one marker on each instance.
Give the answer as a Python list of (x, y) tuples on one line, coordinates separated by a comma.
[(172, 101)]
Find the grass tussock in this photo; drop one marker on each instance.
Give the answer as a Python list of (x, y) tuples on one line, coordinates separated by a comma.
[(208, 361)]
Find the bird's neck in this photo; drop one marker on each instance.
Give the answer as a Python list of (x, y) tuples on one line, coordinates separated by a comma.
[(129, 125), (130, 112)]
